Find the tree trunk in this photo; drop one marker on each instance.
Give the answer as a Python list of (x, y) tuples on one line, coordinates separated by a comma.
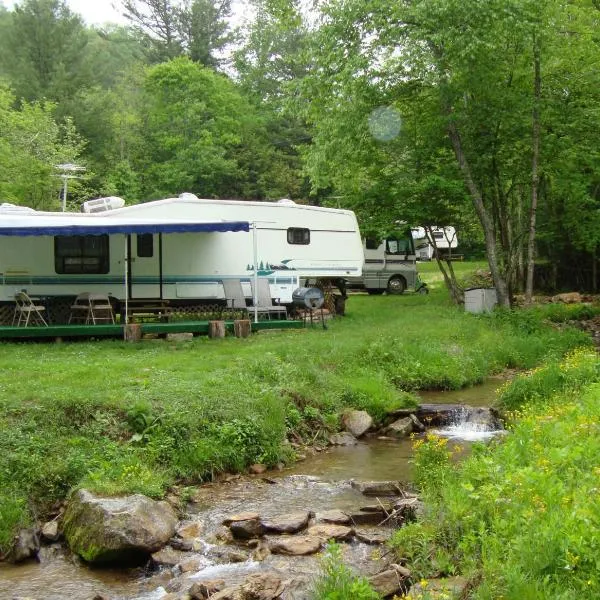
[(482, 213), (456, 293), (537, 86)]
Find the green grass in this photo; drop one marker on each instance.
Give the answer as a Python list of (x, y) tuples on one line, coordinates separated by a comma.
[(520, 517), (120, 418)]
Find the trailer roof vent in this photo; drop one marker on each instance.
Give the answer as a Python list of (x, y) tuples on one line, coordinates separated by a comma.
[(8, 208), (188, 196), (285, 201), (102, 204)]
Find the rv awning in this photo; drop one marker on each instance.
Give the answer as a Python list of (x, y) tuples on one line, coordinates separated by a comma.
[(36, 225)]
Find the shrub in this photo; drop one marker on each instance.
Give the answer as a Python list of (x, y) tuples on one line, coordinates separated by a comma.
[(338, 582)]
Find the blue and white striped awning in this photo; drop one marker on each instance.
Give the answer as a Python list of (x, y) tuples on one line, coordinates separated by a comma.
[(73, 224)]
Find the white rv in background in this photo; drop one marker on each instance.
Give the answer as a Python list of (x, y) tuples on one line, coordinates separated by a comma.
[(445, 241), (390, 265), (288, 242)]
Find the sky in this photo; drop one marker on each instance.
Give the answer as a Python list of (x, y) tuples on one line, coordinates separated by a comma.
[(97, 12)]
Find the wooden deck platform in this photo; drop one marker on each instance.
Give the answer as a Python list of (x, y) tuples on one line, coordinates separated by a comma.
[(116, 331)]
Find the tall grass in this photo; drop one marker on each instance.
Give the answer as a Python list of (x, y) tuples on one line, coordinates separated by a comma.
[(520, 517), (122, 418)]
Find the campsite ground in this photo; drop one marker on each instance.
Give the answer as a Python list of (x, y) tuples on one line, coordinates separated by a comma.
[(118, 417)]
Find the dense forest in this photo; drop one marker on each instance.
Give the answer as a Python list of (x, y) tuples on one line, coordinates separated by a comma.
[(484, 115)]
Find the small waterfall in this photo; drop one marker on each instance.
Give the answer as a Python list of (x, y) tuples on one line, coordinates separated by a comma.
[(471, 423)]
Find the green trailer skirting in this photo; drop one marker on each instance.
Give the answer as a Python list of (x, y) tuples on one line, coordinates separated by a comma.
[(66, 331)]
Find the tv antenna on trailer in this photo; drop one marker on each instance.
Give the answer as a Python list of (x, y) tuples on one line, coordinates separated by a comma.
[(68, 171)]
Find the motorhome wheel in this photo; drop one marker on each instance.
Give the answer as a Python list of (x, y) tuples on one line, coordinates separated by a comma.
[(396, 285)]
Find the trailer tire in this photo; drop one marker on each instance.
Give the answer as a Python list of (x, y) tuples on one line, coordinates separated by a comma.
[(396, 285)]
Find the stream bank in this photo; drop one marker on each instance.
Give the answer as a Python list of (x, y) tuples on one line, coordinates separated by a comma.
[(323, 482)]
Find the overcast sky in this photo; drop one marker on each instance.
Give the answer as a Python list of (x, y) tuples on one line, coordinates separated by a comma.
[(96, 12)]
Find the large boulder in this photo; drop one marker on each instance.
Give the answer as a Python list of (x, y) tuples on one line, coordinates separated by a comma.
[(122, 530), (357, 422)]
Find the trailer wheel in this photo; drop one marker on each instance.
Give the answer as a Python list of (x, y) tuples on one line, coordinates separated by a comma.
[(396, 285), (374, 291)]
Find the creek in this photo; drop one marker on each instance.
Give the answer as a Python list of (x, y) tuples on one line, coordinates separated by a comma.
[(321, 482)]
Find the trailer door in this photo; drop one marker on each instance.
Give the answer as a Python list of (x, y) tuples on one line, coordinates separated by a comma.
[(145, 265)]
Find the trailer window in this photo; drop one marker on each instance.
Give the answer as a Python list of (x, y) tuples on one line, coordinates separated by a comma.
[(145, 245), (394, 246), (81, 254), (298, 235)]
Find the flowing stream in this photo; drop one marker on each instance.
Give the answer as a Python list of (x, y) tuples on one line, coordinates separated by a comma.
[(321, 482)]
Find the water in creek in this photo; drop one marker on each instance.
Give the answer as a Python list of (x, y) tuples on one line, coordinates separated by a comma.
[(321, 482)]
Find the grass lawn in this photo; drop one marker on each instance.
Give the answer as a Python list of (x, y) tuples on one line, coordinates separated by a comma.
[(118, 417)]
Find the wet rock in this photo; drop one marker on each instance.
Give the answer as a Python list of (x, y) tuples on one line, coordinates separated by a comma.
[(367, 518), (26, 545), (378, 488), (438, 589), (101, 597), (417, 425), (357, 422), (247, 529), (394, 580), (385, 509), (400, 428), (296, 546), (50, 532), (262, 586), (206, 589), (339, 533), (342, 439), (182, 545), (222, 536), (244, 516), (190, 565), (409, 509), (372, 536), (261, 551), (333, 516), (124, 530), (189, 530), (258, 469), (230, 593), (291, 523), (167, 557)]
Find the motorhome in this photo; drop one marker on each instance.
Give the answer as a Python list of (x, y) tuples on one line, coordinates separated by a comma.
[(445, 241), (390, 265), (178, 249)]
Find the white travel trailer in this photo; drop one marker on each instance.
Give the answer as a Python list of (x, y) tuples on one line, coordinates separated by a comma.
[(390, 265), (178, 250), (445, 240)]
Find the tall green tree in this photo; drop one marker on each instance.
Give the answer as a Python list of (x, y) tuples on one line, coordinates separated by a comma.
[(199, 29), (43, 51), (467, 74)]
